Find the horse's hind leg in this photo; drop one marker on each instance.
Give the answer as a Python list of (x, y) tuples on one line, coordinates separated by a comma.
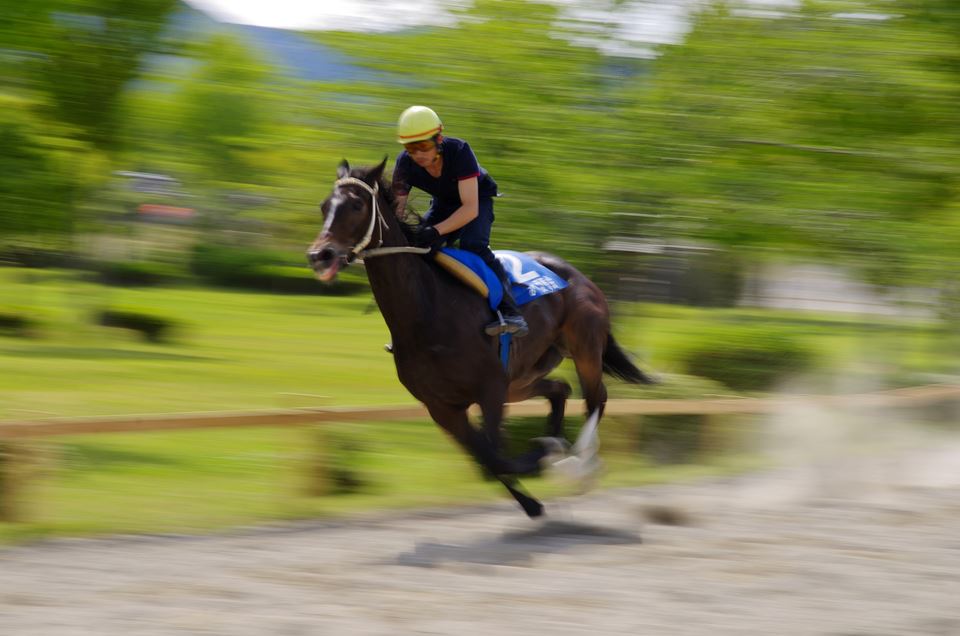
[(589, 364), (557, 392)]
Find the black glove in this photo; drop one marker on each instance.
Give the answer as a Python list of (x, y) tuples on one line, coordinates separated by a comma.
[(427, 236)]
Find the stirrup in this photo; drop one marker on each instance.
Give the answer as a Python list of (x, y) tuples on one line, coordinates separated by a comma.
[(496, 327), (502, 325)]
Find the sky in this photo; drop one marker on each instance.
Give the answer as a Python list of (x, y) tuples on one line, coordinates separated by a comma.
[(630, 30), (320, 15)]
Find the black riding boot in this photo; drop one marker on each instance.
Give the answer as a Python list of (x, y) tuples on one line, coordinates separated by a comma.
[(513, 321)]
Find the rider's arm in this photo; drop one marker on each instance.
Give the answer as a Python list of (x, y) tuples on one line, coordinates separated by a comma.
[(468, 210), (401, 206), (399, 184)]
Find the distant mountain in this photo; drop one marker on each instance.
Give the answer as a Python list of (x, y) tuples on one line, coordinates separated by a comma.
[(289, 51)]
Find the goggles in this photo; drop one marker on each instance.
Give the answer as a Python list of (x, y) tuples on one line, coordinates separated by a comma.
[(420, 146)]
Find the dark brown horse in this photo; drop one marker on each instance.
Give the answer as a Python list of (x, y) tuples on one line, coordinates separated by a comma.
[(442, 354)]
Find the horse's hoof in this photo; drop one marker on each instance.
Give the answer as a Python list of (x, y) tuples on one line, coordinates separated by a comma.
[(581, 472), (555, 449)]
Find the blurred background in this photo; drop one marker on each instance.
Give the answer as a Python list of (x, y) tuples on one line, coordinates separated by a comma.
[(767, 190)]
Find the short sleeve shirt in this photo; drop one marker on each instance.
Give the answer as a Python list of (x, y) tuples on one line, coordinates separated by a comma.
[(459, 164)]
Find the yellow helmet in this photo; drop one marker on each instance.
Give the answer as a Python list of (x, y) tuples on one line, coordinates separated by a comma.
[(418, 123)]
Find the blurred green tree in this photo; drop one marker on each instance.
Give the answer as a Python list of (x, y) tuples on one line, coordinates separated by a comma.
[(83, 53), (223, 108), (824, 131), (66, 65), (44, 171), (828, 130)]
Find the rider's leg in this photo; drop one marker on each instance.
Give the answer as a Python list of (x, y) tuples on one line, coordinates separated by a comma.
[(475, 237), (512, 317)]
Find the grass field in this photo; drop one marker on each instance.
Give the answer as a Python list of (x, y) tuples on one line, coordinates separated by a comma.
[(234, 350), (243, 350)]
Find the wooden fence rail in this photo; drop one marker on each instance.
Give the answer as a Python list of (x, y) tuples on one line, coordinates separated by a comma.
[(906, 397), (11, 470)]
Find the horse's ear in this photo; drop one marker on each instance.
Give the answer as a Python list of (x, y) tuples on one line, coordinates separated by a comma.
[(343, 170), (377, 171)]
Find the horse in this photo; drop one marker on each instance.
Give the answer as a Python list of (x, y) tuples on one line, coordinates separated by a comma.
[(442, 355)]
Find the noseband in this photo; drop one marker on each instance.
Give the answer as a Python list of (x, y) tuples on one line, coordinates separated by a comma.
[(360, 248)]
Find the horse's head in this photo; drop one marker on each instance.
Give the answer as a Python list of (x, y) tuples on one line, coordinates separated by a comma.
[(350, 216)]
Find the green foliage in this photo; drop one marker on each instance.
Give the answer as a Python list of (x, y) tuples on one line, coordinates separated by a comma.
[(746, 358), (138, 273), (671, 439), (262, 269), (43, 171), (153, 327), (671, 386), (343, 465), (299, 279), (230, 266), (83, 53), (16, 323), (805, 133), (810, 133), (223, 108)]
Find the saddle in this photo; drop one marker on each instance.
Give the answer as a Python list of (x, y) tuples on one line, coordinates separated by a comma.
[(530, 279)]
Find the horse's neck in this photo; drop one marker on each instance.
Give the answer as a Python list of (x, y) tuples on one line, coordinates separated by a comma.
[(402, 284)]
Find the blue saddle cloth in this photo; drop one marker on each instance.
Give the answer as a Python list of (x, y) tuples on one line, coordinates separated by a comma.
[(534, 279)]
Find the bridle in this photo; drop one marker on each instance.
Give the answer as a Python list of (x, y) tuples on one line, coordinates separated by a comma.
[(359, 250), (374, 216)]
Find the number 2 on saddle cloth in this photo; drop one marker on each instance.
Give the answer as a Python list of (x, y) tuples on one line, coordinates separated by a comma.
[(530, 280)]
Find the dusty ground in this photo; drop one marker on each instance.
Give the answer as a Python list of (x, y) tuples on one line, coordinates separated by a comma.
[(773, 555)]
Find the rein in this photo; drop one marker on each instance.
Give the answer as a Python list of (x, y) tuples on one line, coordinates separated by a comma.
[(359, 250)]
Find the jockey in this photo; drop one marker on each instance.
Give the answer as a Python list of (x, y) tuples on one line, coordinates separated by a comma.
[(462, 204)]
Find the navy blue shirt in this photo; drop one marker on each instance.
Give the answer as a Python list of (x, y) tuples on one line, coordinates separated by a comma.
[(459, 164)]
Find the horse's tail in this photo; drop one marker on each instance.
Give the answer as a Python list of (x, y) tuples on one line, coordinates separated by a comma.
[(618, 364)]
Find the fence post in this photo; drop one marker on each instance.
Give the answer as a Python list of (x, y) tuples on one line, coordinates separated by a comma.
[(11, 481), (710, 442), (318, 466)]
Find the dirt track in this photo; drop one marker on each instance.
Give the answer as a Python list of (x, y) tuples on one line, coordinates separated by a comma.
[(757, 556)]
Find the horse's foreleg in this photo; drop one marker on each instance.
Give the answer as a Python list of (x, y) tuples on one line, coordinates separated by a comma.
[(483, 450), (492, 411), (526, 464)]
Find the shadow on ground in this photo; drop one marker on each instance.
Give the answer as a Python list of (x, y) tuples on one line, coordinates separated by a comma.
[(518, 547)]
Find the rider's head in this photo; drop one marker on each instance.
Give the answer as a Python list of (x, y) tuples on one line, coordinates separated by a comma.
[(419, 131)]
